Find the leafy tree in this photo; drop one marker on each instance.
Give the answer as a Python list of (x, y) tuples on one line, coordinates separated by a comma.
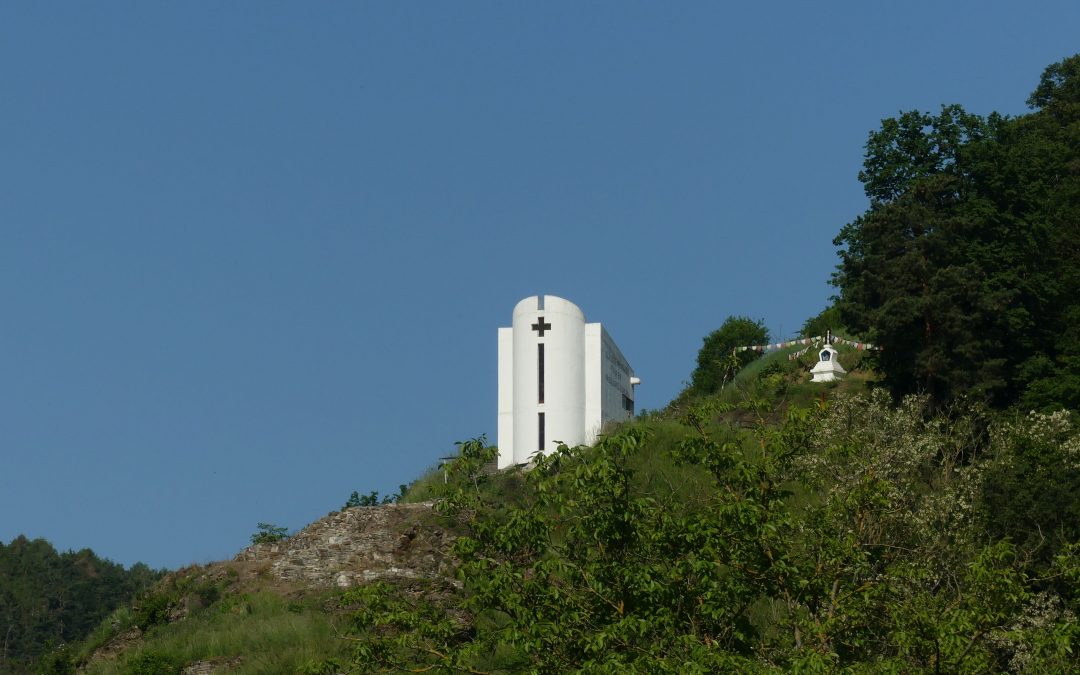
[(1059, 88), (1047, 174), (902, 282), (716, 363), (965, 266)]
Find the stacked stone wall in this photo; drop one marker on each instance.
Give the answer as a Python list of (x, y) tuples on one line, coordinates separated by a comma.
[(359, 545)]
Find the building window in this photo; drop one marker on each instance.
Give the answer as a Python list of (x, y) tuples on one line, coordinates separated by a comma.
[(540, 370), (540, 427), (628, 404)]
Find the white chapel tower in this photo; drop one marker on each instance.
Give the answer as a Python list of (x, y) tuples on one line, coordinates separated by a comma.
[(561, 380)]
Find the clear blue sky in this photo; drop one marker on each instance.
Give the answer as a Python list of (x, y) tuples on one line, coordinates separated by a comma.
[(253, 255)]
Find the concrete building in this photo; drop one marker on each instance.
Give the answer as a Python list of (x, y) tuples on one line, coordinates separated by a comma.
[(561, 380)]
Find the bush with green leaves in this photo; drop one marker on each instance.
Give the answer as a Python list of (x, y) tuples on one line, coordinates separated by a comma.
[(372, 498), (357, 499), (58, 661), (845, 537), (150, 663), (152, 609), (268, 533)]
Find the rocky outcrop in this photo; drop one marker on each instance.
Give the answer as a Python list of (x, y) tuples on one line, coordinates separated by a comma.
[(358, 545)]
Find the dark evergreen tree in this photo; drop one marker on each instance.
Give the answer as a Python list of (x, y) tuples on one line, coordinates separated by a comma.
[(49, 598), (964, 266)]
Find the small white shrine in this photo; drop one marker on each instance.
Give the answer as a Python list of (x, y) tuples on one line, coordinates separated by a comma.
[(561, 380), (828, 368)]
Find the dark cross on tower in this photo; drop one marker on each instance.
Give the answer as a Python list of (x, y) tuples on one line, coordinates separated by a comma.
[(540, 326)]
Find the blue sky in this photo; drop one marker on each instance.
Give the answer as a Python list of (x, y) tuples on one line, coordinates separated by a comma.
[(253, 255)]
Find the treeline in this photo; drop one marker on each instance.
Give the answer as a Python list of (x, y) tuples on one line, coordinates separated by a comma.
[(48, 598), (966, 265)]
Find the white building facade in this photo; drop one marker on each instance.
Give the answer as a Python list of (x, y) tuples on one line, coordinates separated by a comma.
[(561, 380)]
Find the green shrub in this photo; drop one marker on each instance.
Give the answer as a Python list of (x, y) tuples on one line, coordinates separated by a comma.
[(56, 662), (268, 534), (150, 663), (153, 609), (357, 499), (372, 498)]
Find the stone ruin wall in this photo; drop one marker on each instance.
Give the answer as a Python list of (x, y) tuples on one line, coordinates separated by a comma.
[(359, 545)]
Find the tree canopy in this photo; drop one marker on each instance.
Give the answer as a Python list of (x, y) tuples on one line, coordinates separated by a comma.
[(965, 264), (49, 598), (715, 360)]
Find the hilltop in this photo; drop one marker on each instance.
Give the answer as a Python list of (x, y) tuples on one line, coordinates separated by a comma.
[(769, 527), (301, 576)]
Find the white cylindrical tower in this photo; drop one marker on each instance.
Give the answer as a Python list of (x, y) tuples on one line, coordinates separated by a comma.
[(549, 376)]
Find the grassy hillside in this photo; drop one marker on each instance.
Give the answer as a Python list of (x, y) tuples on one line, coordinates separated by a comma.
[(255, 631), (776, 526), (783, 378), (275, 607), (852, 535)]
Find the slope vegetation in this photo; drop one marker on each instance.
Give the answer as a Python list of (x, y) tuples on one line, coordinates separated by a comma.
[(848, 533)]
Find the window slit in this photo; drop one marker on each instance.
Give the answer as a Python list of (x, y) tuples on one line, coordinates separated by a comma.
[(540, 371)]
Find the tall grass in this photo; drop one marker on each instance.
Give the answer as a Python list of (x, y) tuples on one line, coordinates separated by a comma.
[(425, 487), (265, 631)]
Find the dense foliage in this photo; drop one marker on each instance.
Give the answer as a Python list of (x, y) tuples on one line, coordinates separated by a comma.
[(716, 363), (49, 598), (854, 535), (966, 266)]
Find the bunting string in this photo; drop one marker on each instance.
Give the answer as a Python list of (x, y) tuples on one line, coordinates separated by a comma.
[(857, 345), (779, 345), (796, 355), (817, 339)]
